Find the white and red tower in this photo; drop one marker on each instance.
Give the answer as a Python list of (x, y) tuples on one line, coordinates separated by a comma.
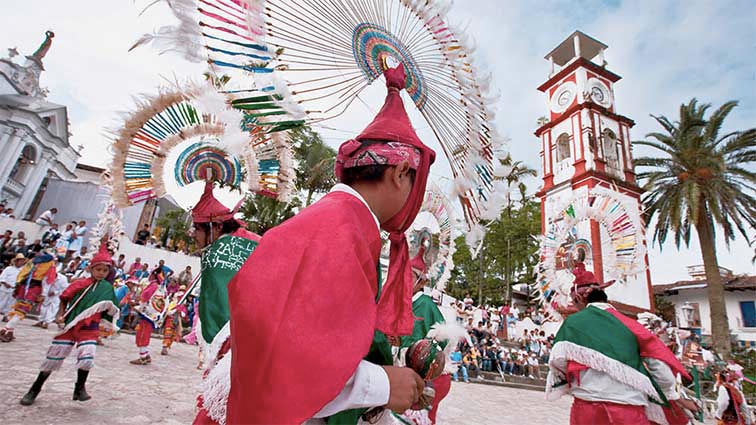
[(586, 143)]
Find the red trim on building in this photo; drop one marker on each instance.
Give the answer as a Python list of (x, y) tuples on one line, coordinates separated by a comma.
[(588, 105), (580, 62)]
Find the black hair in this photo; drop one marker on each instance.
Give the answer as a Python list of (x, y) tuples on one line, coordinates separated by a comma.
[(369, 173), (227, 227), (596, 296)]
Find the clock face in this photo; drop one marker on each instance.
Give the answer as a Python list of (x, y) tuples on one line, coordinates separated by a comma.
[(563, 97), (599, 92), (597, 95)]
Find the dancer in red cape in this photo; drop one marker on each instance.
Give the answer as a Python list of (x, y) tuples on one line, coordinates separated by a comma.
[(307, 304)]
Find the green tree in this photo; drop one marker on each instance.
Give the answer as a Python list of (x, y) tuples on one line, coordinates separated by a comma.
[(261, 213), (519, 170), (701, 181), (507, 257), (316, 161), (175, 225)]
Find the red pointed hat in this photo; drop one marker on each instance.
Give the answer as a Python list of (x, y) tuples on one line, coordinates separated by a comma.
[(392, 125), (585, 278), (209, 209), (102, 256)]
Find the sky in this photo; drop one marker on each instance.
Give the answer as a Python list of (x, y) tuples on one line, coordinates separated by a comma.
[(666, 52)]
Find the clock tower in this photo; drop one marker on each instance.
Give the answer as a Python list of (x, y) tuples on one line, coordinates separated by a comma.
[(585, 144)]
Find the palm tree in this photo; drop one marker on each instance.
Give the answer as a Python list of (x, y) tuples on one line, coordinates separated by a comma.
[(261, 213), (316, 160), (701, 181), (519, 170)]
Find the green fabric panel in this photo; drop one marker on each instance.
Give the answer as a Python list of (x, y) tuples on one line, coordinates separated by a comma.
[(220, 262), (380, 354), (102, 291), (598, 330), (426, 314)]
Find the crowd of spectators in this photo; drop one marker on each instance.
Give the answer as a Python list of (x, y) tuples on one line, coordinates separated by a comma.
[(492, 348), (67, 246)]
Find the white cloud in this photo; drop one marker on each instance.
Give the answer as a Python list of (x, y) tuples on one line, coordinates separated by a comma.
[(667, 53)]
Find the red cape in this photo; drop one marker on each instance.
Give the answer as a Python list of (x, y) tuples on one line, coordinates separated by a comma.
[(650, 345), (303, 312)]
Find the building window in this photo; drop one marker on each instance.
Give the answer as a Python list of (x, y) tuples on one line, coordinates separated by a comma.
[(563, 147), (748, 310), (24, 164)]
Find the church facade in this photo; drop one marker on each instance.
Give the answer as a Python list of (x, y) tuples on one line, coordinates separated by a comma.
[(34, 145)]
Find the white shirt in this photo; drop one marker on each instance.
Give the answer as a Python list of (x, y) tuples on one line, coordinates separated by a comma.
[(46, 218), (369, 385), (9, 276)]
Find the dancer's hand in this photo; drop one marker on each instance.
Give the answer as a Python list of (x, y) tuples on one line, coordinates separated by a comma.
[(687, 405), (60, 319), (406, 387)]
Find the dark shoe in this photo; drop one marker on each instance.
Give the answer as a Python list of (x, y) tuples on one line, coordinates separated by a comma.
[(6, 335), (141, 361), (80, 393), (36, 387), (29, 398), (164, 351)]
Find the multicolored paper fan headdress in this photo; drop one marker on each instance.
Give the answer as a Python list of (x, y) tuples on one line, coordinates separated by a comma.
[(214, 138), (434, 228), (328, 52), (561, 252)]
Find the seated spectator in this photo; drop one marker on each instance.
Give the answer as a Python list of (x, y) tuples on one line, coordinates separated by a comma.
[(456, 358), (469, 326), (51, 235), (135, 266), (35, 247), (20, 236), (120, 263), (152, 243), (72, 266), (143, 272), (486, 360), (47, 217), (185, 277), (534, 371), (468, 361), (8, 213), (143, 235), (492, 355)]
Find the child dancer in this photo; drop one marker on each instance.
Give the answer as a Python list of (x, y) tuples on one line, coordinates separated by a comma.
[(82, 306)]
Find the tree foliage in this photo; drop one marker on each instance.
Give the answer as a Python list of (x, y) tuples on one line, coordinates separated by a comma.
[(175, 229), (507, 257), (316, 159), (701, 179), (261, 213)]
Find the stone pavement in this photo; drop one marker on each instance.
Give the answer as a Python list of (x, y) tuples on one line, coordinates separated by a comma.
[(164, 392)]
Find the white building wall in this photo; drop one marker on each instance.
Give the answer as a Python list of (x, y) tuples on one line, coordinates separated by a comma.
[(732, 303)]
